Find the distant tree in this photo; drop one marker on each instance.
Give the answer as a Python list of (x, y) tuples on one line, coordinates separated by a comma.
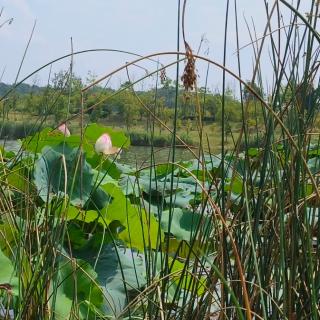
[(59, 108), (34, 103), (130, 114), (179, 124), (287, 93), (76, 86), (167, 115), (232, 111), (147, 99), (212, 103), (188, 126), (91, 78), (67, 93), (248, 95), (167, 83), (10, 104), (4, 108), (308, 99), (126, 85), (128, 108), (59, 81), (302, 95)]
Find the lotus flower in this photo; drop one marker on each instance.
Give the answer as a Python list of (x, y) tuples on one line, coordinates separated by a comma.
[(104, 145), (64, 129)]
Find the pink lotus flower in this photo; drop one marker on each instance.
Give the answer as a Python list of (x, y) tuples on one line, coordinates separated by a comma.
[(104, 145), (64, 129)]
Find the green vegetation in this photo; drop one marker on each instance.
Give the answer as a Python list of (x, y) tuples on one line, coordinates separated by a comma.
[(125, 108), (232, 233), (13, 130), (134, 112)]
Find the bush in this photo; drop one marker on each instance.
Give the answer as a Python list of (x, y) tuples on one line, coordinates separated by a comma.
[(12, 130), (164, 140)]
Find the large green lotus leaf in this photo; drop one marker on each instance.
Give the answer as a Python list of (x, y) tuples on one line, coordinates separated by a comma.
[(178, 268), (102, 177), (155, 209), (106, 165), (253, 152), (9, 235), (135, 227), (124, 168), (314, 152), (129, 185), (89, 236), (181, 199), (76, 236), (17, 174), (16, 178), (182, 248), (163, 170), (181, 277), (62, 307), (121, 273), (184, 224), (156, 188), (84, 283), (7, 274), (79, 183), (141, 229), (50, 177), (314, 165), (6, 269), (99, 197), (74, 213), (49, 138), (213, 164), (6, 154), (97, 200), (76, 279), (235, 185), (182, 191)]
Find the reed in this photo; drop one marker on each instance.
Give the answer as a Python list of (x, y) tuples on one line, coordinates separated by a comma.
[(232, 235)]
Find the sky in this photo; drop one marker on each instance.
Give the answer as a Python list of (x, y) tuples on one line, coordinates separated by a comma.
[(141, 26)]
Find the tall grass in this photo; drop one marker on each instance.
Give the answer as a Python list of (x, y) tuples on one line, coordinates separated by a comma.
[(237, 234)]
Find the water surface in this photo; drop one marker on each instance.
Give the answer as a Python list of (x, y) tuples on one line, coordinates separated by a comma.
[(133, 156)]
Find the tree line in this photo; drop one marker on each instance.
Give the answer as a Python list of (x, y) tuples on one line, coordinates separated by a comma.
[(62, 98)]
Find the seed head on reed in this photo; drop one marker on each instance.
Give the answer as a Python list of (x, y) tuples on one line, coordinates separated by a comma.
[(163, 76), (189, 76)]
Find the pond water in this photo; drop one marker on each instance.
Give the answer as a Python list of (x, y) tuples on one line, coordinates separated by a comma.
[(134, 156), (10, 145), (137, 155)]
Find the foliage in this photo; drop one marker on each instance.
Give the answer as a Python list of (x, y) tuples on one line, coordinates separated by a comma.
[(248, 95), (12, 130), (227, 236)]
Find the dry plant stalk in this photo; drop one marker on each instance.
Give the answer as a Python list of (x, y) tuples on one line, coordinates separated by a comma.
[(163, 76), (189, 76)]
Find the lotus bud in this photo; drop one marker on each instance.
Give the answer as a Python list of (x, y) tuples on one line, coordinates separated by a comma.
[(64, 129), (104, 145)]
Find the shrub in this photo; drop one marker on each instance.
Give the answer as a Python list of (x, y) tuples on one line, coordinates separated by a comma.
[(12, 130)]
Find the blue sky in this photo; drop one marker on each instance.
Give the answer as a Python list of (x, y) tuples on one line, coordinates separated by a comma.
[(141, 26)]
